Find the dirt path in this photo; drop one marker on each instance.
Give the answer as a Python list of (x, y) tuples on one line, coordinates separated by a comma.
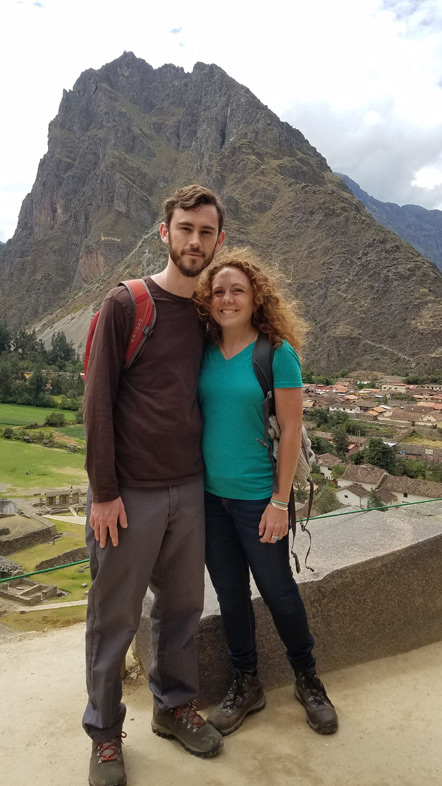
[(390, 726)]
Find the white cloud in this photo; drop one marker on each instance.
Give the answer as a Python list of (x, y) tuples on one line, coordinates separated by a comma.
[(360, 78), (428, 177)]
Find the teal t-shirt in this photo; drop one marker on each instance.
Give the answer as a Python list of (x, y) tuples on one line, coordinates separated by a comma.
[(237, 465)]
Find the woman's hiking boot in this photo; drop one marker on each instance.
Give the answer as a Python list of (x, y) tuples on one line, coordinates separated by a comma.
[(107, 764), (184, 724), (310, 692), (245, 696)]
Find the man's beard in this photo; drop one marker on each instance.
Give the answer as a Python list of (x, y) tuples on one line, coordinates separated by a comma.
[(193, 270)]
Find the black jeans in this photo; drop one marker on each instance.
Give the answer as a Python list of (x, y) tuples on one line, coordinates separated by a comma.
[(232, 547)]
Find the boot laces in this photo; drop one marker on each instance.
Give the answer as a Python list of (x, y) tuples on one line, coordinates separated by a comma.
[(236, 691), (189, 714), (111, 749), (316, 689)]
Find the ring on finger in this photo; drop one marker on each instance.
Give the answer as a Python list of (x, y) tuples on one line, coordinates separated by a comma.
[(275, 538)]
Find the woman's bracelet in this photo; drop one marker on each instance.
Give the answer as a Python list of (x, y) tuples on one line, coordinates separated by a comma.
[(277, 503)]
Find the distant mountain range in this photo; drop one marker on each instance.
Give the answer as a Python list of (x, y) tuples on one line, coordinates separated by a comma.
[(127, 135), (420, 227)]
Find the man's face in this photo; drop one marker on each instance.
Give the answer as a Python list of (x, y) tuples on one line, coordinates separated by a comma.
[(192, 238)]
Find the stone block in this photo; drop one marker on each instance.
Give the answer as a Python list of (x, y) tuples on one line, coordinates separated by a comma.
[(376, 591)]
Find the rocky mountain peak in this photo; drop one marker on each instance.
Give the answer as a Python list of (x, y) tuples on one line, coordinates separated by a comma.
[(127, 135)]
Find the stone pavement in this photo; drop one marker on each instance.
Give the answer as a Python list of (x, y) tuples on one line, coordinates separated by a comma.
[(390, 732)]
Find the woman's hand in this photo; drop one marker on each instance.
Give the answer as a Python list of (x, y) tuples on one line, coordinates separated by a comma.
[(274, 524)]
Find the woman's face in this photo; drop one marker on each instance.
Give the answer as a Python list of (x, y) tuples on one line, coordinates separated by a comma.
[(232, 302)]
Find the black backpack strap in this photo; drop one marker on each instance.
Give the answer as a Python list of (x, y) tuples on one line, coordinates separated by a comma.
[(262, 361), (263, 367), (292, 520)]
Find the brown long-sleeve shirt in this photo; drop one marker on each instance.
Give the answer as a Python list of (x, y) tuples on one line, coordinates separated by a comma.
[(143, 426)]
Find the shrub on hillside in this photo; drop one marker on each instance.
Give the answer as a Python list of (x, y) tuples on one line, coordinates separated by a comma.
[(55, 419)]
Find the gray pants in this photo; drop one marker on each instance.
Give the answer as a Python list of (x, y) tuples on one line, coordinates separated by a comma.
[(163, 548)]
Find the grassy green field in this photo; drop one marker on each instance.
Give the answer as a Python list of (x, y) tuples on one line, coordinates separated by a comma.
[(418, 439), (17, 415), (51, 619), (48, 467), (77, 431)]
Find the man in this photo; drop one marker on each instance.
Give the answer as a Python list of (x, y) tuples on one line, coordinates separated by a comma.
[(145, 506)]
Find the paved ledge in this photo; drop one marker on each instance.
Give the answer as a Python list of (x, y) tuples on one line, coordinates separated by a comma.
[(376, 591), (390, 726)]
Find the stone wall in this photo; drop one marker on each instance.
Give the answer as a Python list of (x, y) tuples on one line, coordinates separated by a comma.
[(10, 544), (75, 555), (27, 591), (376, 591)]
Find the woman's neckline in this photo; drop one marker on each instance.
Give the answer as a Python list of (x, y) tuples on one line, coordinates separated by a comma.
[(228, 356)]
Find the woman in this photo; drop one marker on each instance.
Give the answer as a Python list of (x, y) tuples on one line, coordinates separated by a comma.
[(247, 526)]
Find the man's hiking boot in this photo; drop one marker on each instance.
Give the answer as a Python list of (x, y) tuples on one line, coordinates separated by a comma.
[(310, 692), (245, 696), (107, 765), (184, 724)]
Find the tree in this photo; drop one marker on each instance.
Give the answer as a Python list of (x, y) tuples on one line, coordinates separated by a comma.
[(320, 416), (62, 351), (356, 427), (412, 468), (381, 455), (27, 346), (326, 501), (301, 495), (338, 470), (338, 419), (340, 440), (374, 501), (5, 338), (6, 379), (321, 445), (435, 471), (37, 385)]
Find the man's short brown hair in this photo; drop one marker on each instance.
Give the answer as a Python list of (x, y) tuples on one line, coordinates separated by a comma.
[(191, 197)]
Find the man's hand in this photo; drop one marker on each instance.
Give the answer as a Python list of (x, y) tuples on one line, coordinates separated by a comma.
[(104, 519)]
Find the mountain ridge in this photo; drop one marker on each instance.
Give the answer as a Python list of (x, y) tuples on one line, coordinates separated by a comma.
[(127, 135), (419, 227)]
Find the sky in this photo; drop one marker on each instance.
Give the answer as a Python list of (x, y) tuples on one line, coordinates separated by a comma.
[(361, 79)]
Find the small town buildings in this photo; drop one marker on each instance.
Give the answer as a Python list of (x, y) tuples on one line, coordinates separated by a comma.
[(367, 475), (357, 496), (351, 408), (354, 495), (355, 444), (394, 386), (410, 418), (355, 484), (410, 489), (326, 462)]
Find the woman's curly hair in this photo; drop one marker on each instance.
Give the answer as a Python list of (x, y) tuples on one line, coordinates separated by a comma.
[(275, 314)]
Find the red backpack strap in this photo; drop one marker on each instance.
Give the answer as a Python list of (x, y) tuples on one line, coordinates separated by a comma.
[(145, 314), (90, 336)]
